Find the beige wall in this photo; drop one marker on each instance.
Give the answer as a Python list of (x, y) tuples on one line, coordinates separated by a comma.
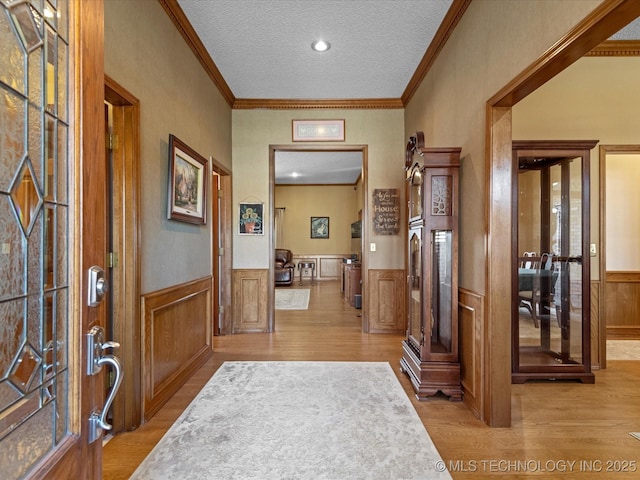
[(255, 130), (146, 55), (623, 214), (494, 41), (596, 98), (339, 203)]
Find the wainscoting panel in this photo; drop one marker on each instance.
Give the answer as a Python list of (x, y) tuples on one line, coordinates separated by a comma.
[(330, 267), (177, 339), (250, 305), (471, 348), (598, 340), (327, 265), (387, 296), (623, 305)]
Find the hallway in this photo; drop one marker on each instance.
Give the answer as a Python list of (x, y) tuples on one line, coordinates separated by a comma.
[(554, 423)]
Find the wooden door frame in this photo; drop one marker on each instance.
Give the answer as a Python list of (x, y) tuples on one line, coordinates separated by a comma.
[(605, 150), (221, 249), (608, 18), (365, 216), (125, 278)]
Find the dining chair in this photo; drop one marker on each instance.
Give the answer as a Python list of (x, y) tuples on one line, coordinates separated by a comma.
[(528, 263), (542, 286)]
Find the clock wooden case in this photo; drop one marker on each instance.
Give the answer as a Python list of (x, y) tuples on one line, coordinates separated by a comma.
[(430, 349)]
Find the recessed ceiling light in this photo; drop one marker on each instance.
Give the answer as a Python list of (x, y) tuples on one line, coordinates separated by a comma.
[(320, 46)]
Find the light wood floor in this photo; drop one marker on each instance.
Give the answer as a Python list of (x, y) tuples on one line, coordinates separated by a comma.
[(559, 429)]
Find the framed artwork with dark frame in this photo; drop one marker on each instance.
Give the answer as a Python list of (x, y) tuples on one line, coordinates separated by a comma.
[(187, 185), (319, 227), (251, 219)]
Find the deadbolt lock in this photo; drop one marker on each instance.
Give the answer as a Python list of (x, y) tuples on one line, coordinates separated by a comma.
[(98, 286)]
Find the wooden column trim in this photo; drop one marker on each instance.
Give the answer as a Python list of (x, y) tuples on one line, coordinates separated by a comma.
[(497, 358)]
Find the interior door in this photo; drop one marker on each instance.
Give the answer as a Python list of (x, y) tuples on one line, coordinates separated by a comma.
[(52, 230)]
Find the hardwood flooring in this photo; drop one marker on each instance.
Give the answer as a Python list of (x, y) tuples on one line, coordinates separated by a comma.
[(559, 429)]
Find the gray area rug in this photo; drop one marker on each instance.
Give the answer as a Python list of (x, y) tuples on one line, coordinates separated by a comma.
[(292, 298), (297, 420)]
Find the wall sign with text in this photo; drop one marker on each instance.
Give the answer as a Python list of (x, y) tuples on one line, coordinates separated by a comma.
[(386, 211)]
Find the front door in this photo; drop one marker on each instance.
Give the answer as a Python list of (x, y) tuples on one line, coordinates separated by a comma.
[(51, 231)]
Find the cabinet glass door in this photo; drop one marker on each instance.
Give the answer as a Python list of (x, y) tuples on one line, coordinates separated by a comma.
[(441, 291), (551, 319), (415, 329)]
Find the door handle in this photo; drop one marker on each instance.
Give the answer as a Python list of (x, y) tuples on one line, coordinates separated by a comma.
[(96, 347)]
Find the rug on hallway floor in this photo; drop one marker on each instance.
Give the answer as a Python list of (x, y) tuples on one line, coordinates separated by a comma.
[(297, 420), (292, 298)]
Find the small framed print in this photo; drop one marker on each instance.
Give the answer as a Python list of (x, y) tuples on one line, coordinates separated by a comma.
[(187, 185), (318, 130), (251, 219), (319, 227)]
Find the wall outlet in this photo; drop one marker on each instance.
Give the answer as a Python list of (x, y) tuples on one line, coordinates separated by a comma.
[(372, 247)]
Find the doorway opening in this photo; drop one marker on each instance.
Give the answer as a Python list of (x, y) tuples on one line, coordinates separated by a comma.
[(122, 111), (619, 234), (221, 236), (593, 30), (339, 231)]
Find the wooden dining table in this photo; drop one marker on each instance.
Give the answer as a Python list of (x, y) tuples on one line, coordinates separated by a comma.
[(528, 277)]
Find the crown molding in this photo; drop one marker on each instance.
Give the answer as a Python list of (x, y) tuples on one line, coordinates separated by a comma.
[(616, 48), (346, 104), (449, 23), (179, 19)]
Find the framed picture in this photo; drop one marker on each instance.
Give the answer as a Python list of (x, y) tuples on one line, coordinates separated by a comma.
[(187, 185), (251, 219), (318, 130), (319, 227)]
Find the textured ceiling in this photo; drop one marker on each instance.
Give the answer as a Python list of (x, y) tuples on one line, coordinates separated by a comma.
[(263, 47), (630, 32), (263, 50)]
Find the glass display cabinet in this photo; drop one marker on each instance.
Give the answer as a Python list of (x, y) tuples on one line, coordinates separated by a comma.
[(551, 311), (430, 349)]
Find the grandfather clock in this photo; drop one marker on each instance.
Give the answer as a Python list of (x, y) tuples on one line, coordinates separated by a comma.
[(430, 349)]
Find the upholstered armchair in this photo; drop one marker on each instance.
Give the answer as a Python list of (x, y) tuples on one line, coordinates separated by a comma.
[(284, 267)]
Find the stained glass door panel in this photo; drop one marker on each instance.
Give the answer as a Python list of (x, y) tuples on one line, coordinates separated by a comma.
[(34, 224)]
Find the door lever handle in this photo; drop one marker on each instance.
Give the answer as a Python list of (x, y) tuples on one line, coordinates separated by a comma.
[(95, 360), (110, 344)]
